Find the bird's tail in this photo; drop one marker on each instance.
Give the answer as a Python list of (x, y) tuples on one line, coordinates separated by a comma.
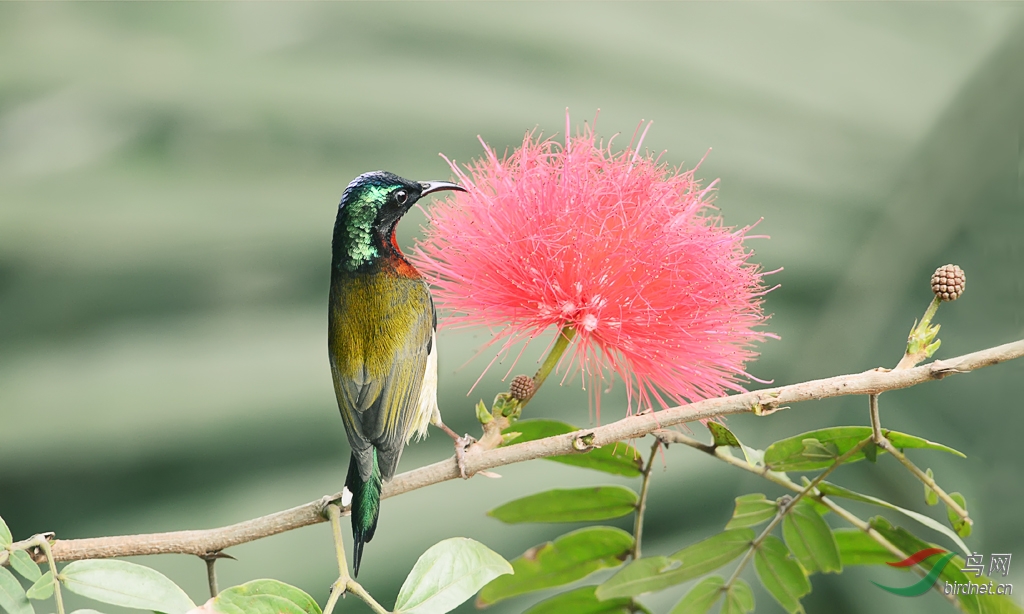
[(365, 507)]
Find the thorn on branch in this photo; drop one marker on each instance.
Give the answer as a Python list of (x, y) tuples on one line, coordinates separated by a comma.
[(939, 371), (662, 437), (766, 406), (766, 409)]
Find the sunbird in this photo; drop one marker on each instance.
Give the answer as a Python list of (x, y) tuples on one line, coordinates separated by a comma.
[(381, 339)]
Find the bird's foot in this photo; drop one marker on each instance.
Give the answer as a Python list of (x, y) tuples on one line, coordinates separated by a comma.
[(461, 445), (444, 427)]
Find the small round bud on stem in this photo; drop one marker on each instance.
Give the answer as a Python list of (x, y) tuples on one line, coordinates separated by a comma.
[(522, 387), (948, 282)]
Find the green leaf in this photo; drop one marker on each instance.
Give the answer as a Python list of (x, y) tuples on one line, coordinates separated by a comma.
[(722, 436), (701, 597), (752, 510), (825, 452), (930, 496), (871, 451), (617, 459), (6, 539), (571, 557), (24, 565), (739, 599), (828, 488), (482, 413), (42, 588), (753, 456), (858, 548), (125, 584), (799, 453), (904, 441), (581, 601), (660, 572), (447, 574), (821, 508), (569, 505), (264, 597), (86, 611), (12, 596), (713, 552), (652, 573), (781, 576), (961, 526), (810, 539)]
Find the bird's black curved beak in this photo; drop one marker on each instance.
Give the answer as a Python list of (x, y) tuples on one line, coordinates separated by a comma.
[(429, 187)]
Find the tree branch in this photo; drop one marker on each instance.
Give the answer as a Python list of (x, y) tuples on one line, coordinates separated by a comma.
[(207, 541)]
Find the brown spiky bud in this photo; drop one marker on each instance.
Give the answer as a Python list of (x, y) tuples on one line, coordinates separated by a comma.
[(948, 282), (522, 387)]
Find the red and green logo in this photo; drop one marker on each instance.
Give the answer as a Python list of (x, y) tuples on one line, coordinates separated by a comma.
[(925, 584)]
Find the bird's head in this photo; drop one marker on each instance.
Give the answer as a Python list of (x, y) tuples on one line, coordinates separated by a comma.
[(369, 212)]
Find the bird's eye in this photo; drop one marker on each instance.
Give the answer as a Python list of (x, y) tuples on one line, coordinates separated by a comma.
[(401, 196)]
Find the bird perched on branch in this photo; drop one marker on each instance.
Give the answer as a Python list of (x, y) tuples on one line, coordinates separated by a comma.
[(381, 339)]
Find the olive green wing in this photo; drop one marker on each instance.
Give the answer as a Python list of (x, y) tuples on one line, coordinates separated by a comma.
[(399, 400), (380, 333)]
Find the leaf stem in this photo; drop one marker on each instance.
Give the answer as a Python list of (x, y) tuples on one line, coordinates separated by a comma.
[(337, 590), (919, 344), (641, 506), (930, 312), (926, 480), (565, 337), (345, 582), (211, 574), (334, 512), (356, 589), (351, 586), (876, 422), (44, 544), (211, 571)]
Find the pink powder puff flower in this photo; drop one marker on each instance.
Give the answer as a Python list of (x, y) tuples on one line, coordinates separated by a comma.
[(616, 245)]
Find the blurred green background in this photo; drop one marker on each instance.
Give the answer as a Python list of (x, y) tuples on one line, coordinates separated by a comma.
[(169, 176)]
